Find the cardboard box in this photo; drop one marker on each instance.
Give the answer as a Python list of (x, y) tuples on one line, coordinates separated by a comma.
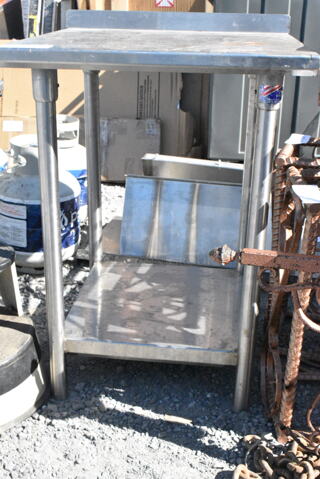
[(13, 126), (122, 95), (17, 92), (123, 143), (149, 95), (163, 5)]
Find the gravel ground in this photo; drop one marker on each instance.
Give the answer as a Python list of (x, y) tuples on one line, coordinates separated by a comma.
[(128, 419)]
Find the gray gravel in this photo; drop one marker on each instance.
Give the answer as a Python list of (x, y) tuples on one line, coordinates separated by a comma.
[(128, 419)]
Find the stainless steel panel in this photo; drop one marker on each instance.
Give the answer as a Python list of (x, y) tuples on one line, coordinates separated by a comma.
[(289, 109), (228, 94), (178, 21), (178, 221), (176, 167), (228, 114), (162, 50), (157, 312), (227, 110)]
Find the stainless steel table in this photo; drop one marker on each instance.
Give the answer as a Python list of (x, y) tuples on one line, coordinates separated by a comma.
[(193, 42)]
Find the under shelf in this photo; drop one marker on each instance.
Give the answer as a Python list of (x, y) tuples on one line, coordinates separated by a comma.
[(156, 312)]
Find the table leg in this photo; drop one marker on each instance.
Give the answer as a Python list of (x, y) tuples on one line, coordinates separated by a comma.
[(269, 98), (45, 93), (247, 164), (92, 139)]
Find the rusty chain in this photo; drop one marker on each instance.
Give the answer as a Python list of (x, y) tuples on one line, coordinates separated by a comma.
[(299, 458)]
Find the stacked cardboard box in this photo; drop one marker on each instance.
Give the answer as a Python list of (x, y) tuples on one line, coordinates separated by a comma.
[(147, 95)]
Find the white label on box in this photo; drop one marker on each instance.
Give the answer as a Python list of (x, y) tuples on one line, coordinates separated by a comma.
[(13, 232), (297, 139), (15, 211), (12, 125), (165, 3), (148, 95)]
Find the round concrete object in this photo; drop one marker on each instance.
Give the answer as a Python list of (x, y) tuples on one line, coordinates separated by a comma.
[(22, 381)]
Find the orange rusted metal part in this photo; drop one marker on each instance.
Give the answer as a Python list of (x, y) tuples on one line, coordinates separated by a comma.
[(289, 155), (276, 259), (295, 227), (267, 259)]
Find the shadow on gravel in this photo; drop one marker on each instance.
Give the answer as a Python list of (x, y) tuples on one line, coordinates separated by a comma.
[(224, 475), (143, 397)]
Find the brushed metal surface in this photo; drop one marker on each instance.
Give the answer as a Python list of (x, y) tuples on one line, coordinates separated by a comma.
[(178, 221), (194, 169), (178, 21), (45, 92), (156, 312), (227, 107), (132, 48)]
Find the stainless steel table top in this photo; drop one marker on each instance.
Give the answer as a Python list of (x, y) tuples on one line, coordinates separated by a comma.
[(175, 42)]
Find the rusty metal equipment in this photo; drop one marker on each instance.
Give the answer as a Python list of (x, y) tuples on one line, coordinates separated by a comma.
[(265, 459), (294, 268), (295, 226), (269, 259)]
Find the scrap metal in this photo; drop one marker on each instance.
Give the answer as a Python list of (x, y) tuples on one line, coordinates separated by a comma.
[(299, 458), (295, 232), (295, 226), (267, 259)]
